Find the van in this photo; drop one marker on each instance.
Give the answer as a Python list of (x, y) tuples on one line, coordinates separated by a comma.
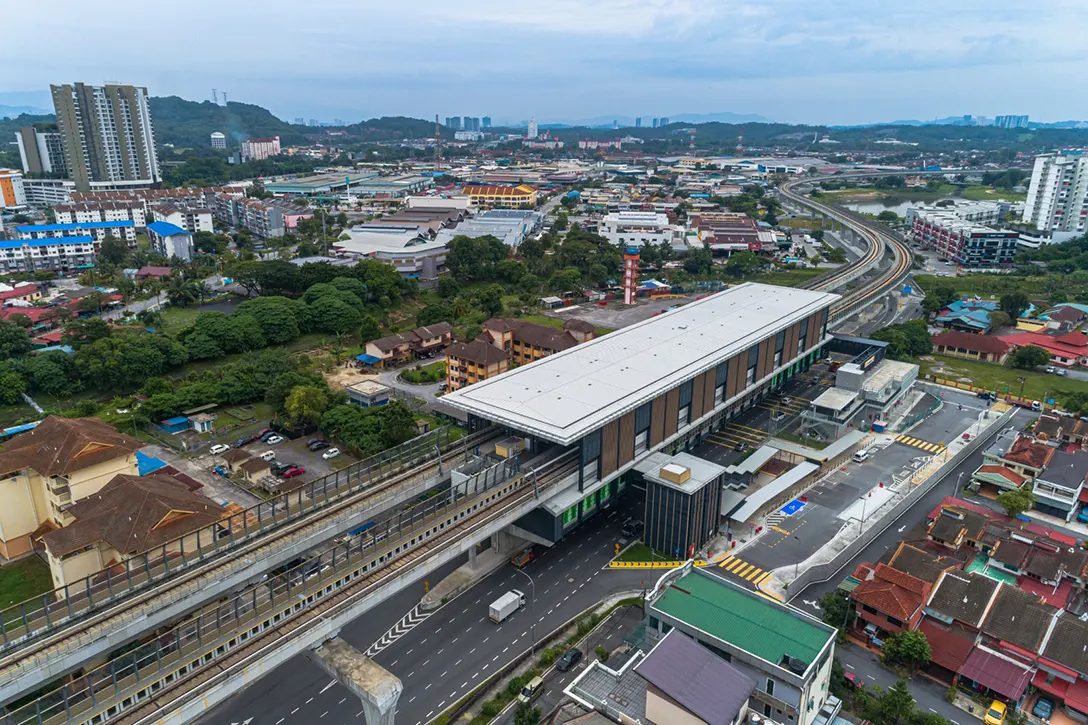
[(531, 691), (861, 456)]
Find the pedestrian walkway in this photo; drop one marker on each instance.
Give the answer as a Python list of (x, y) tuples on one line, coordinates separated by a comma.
[(743, 570), (919, 443), (734, 434)]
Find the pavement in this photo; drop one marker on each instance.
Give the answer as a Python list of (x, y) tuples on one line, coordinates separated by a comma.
[(443, 656), (427, 393)]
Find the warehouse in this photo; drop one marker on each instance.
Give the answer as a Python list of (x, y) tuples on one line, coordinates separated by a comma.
[(660, 385)]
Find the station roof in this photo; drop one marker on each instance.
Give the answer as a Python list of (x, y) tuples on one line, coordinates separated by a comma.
[(567, 395)]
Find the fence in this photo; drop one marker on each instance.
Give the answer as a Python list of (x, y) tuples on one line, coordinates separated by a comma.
[(823, 572), (905, 425), (28, 619)]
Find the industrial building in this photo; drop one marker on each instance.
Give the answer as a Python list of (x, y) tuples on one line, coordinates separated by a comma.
[(660, 385), (635, 228), (510, 226)]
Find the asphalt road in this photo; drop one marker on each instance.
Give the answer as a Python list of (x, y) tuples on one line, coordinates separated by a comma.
[(450, 652), (928, 695)]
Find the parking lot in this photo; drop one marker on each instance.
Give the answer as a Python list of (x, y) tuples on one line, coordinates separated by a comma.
[(293, 452), (615, 314)]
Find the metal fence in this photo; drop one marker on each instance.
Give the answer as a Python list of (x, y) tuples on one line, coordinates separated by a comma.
[(824, 572), (31, 618)]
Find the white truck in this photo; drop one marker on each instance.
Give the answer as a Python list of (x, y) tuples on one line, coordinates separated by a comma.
[(506, 605)]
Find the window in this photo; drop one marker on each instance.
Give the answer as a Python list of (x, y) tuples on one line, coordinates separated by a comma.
[(682, 416), (753, 359), (719, 395), (642, 442), (869, 609), (770, 686), (896, 622)]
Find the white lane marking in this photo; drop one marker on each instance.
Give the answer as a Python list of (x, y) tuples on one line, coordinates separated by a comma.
[(850, 666), (309, 701), (294, 711), (326, 687), (342, 701)]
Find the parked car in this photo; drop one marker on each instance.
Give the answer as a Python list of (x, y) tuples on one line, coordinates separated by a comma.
[(219, 448), (270, 434), (243, 441), (1043, 709), (268, 456), (571, 658), (273, 439), (996, 714), (988, 395), (331, 453), (523, 557), (853, 682), (279, 468), (632, 528), (220, 471), (739, 447), (317, 445), (293, 471)]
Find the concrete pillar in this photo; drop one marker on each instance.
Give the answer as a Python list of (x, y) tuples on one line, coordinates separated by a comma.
[(376, 687)]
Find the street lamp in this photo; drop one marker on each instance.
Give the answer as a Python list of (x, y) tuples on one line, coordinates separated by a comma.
[(532, 627), (958, 488)]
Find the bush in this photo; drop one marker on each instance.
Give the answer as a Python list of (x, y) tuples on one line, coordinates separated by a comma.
[(602, 653), (491, 708), (950, 694)]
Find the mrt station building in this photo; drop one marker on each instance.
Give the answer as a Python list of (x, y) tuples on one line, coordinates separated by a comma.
[(661, 385)]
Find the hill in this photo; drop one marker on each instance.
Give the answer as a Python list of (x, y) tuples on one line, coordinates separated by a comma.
[(188, 124)]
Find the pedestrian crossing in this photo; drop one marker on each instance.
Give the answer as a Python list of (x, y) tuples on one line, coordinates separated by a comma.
[(409, 622), (919, 443), (743, 570), (784, 404)]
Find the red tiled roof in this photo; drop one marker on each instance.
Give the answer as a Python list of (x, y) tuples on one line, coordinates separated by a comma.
[(997, 673), (1010, 475), (949, 645), (1075, 337), (974, 343), (899, 578), (1026, 451), (1049, 343), (23, 291), (888, 598)]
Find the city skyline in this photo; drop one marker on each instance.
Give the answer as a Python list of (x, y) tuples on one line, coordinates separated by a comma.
[(786, 60)]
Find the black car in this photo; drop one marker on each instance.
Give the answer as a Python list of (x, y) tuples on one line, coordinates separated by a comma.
[(278, 468), (242, 442), (631, 527), (1044, 706), (317, 445), (572, 657)]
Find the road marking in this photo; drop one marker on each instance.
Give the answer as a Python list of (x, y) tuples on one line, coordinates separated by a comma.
[(280, 720), (494, 658), (485, 639), (442, 675), (871, 678), (441, 650), (411, 651), (472, 650), (464, 684), (309, 701), (324, 714), (394, 663), (850, 666), (489, 593), (360, 714), (426, 662), (342, 701), (424, 641), (525, 633), (457, 663), (428, 686), (429, 714), (438, 630), (294, 711), (442, 703), (468, 630), (504, 649), (454, 641), (326, 687), (476, 602), (412, 700), (932, 710), (411, 673)]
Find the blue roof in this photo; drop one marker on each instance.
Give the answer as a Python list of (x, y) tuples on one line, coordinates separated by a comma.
[(146, 464), (73, 227), (166, 229), (18, 243), (51, 348), (21, 429), (368, 359), (176, 420)]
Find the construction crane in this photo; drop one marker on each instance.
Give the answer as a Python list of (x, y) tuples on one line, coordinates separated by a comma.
[(437, 144)]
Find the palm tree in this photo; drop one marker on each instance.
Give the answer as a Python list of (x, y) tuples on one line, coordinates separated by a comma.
[(460, 307), (202, 290)]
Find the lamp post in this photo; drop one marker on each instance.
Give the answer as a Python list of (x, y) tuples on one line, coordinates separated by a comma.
[(532, 627), (958, 488)]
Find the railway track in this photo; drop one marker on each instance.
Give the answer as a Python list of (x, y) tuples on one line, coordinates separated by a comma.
[(27, 661)]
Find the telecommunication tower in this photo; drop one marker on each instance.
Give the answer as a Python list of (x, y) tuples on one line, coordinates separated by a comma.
[(630, 274)]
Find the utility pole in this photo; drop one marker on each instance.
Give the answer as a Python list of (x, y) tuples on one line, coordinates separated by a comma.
[(437, 144)]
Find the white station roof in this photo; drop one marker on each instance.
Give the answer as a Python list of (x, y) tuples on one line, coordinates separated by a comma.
[(567, 395)]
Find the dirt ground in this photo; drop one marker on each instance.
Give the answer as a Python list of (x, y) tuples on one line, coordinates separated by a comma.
[(343, 376)]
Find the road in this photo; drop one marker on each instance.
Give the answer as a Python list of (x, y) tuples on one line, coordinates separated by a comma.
[(447, 654), (428, 393), (928, 695)]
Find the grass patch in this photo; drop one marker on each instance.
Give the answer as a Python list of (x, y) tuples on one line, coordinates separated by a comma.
[(995, 285), (425, 374), (175, 319), (24, 579), (987, 375), (787, 277), (803, 440), (641, 552), (987, 193), (553, 322), (799, 223)]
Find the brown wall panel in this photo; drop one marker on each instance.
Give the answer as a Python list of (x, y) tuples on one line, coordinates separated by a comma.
[(697, 387), (736, 376), (672, 408), (657, 421), (813, 331), (793, 332), (627, 439), (766, 358), (609, 447), (708, 390)]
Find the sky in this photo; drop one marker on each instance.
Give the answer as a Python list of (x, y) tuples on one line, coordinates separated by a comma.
[(796, 61)]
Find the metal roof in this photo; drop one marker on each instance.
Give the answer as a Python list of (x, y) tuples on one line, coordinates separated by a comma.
[(565, 396), (166, 229)]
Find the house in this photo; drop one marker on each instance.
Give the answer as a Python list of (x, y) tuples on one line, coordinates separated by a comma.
[(962, 597), (391, 349), (970, 346), (966, 315), (471, 362), (527, 341), (432, 338), (23, 292), (128, 516), (888, 600), (255, 469), (49, 468), (154, 273), (1068, 349), (580, 330), (368, 393), (403, 346), (234, 458)]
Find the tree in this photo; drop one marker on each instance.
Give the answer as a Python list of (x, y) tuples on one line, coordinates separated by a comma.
[(1013, 304), (113, 251), (369, 329), (837, 610), (999, 319), (305, 405), (14, 340), (1016, 501), (1029, 356), (887, 216), (837, 256), (526, 714), (475, 258), (770, 217), (906, 649), (940, 296), (906, 340), (742, 264), (897, 704), (431, 314), (488, 299), (12, 387), (448, 287)]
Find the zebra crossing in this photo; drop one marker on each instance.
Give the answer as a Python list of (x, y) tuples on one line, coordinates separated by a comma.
[(776, 518), (919, 443), (409, 622), (743, 570)]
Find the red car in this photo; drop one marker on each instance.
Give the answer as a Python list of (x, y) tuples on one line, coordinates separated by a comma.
[(853, 681), (292, 472)]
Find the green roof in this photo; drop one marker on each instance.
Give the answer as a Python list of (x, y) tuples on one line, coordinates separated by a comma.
[(742, 618)]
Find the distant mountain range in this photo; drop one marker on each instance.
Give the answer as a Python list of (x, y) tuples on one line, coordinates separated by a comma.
[(647, 121), (16, 111)]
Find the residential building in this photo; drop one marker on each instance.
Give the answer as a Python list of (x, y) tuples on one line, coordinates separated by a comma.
[(191, 219), (526, 341), (1068, 349), (467, 135), (62, 254), (888, 599), (41, 152), (189, 197), (130, 515), (1011, 121), (48, 192), (124, 229), (256, 149), (47, 469), (219, 141), (532, 131), (453, 122), (22, 292), (265, 218), (171, 241), (1058, 193), (964, 242), (509, 197), (471, 362), (635, 228), (107, 134), (787, 653), (11, 189), (969, 346), (101, 211), (970, 315), (420, 342), (486, 122), (985, 213)]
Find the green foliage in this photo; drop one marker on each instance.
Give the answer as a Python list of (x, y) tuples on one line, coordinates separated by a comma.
[(14, 340), (1016, 501), (837, 610), (432, 314), (420, 375), (473, 259), (906, 340), (113, 251), (369, 329), (1014, 304), (1029, 356), (601, 652), (12, 386), (909, 650), (526, 714), (305, 405), (369, 430)]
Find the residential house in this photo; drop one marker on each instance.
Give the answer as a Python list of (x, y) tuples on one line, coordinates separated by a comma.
[(471, 362), (1068, 349), (255, 469), (420, 342), (391, 349), (130, 515), (51, 467), (966, 315), (580, 330), (21, 292), (963, 598), (887, 600), (527, 341), (971, 346), (234, 458)]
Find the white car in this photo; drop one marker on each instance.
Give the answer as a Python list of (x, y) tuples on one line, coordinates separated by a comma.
[(219, 448), (273, 440), (268, 456), (331, 453)]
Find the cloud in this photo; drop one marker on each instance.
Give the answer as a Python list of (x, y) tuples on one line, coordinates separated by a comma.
[(855, 60)]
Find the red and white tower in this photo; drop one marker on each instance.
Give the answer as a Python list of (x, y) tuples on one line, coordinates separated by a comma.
[(630, 274)]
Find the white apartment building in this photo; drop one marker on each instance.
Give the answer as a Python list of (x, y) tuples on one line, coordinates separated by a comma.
[(101, 211), (192, 220), (635, 228), (98, 231), (31, 255), (219, 141), (1058, 194), (255, 149)]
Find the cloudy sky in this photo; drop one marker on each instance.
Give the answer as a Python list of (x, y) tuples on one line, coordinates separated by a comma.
[(830, 61)]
